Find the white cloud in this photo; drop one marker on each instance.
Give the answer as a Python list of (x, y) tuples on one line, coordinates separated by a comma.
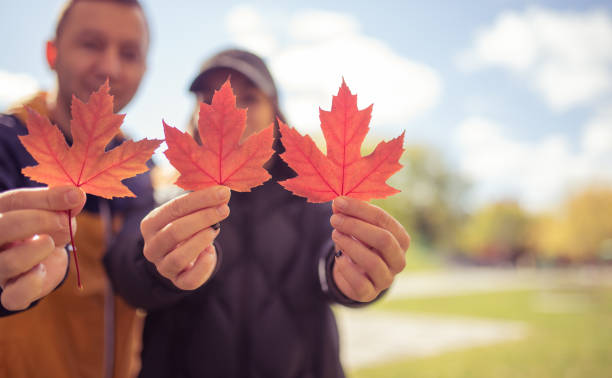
[(247, 28), (312, 25), (538, 174), (14, 86), (565, 55), (317, 48)]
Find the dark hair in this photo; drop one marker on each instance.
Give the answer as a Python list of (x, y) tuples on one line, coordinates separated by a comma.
[(63, 16)]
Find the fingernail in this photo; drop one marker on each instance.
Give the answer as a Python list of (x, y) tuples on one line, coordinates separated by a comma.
[(61, 221), (334, 235), (336, 220), (338, 254), (72, 197), (41, 270), (222, 193), (223, 210), (340, 203)]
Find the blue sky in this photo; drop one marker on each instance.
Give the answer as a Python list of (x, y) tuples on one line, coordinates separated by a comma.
[(516, 95)]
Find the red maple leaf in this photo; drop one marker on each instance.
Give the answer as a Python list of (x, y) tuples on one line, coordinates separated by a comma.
[(343, 172), (220, 160), (85, 164)]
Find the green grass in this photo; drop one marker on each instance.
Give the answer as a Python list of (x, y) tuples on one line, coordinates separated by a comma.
[(572, 344)]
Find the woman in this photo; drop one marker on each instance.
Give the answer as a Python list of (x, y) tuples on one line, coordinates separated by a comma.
[(252, 299)]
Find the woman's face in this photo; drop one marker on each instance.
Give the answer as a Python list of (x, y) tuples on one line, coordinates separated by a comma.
[(260, 113)]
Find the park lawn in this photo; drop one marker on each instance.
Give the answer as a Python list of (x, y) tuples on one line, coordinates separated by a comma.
[(569, 335)]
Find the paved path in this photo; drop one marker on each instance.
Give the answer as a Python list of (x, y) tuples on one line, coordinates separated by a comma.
[(369, 336), (372, 336), (474, 280)]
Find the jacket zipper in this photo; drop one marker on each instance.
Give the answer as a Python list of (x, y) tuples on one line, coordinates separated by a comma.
[(109, 298), (244, 347)]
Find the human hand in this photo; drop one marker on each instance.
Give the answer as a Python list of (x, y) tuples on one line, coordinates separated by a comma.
[(178, 236), (35, 230), (373, 244)]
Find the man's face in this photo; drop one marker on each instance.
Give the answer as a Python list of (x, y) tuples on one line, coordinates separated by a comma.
[(101, 40)]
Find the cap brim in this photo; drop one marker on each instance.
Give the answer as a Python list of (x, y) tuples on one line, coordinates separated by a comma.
[(237, 65)]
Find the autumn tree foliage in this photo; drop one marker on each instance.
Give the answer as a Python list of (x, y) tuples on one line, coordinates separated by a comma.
[(581, 230), (496, 232)]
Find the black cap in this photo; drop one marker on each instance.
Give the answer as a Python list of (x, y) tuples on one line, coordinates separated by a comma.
[(248, 64)]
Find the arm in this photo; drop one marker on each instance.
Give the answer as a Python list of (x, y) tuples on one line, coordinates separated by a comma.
[(174, 254)]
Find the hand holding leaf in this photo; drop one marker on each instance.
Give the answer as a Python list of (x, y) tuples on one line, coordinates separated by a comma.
[(86, 164), (370, 243), (179, 234)]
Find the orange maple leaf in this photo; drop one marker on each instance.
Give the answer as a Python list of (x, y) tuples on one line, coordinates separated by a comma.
[(85, 164), (343, 172), (220, 160)]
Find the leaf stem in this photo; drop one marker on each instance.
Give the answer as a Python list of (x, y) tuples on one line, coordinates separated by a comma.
[(74, 251)]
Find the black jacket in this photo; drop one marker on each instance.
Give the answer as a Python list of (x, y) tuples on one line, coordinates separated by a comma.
[(266, 311)]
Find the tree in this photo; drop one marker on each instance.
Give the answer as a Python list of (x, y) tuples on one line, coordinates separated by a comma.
[(495, 232), (581, 230)]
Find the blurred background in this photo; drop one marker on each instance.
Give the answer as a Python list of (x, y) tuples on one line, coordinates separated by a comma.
[(507, 185)]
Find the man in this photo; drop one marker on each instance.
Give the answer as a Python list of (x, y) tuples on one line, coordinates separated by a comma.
[(70, 333)]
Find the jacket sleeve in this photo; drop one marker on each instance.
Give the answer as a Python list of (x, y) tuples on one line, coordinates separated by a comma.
[(5, 312), (326, 258), (131, 274)]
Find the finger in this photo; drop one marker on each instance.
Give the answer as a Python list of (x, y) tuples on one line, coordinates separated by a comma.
[(22, 257), (20, 292), (374, 215), (57, 265), (351, 281), (373, 236), (22, 224), (371, 263), (180, 259), (38, 282), (182, 229), (181, 206), (66, 197), (202, 269), (62, 237)]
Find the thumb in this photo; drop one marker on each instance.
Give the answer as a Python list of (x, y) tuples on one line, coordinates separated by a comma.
[(59, 198)]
